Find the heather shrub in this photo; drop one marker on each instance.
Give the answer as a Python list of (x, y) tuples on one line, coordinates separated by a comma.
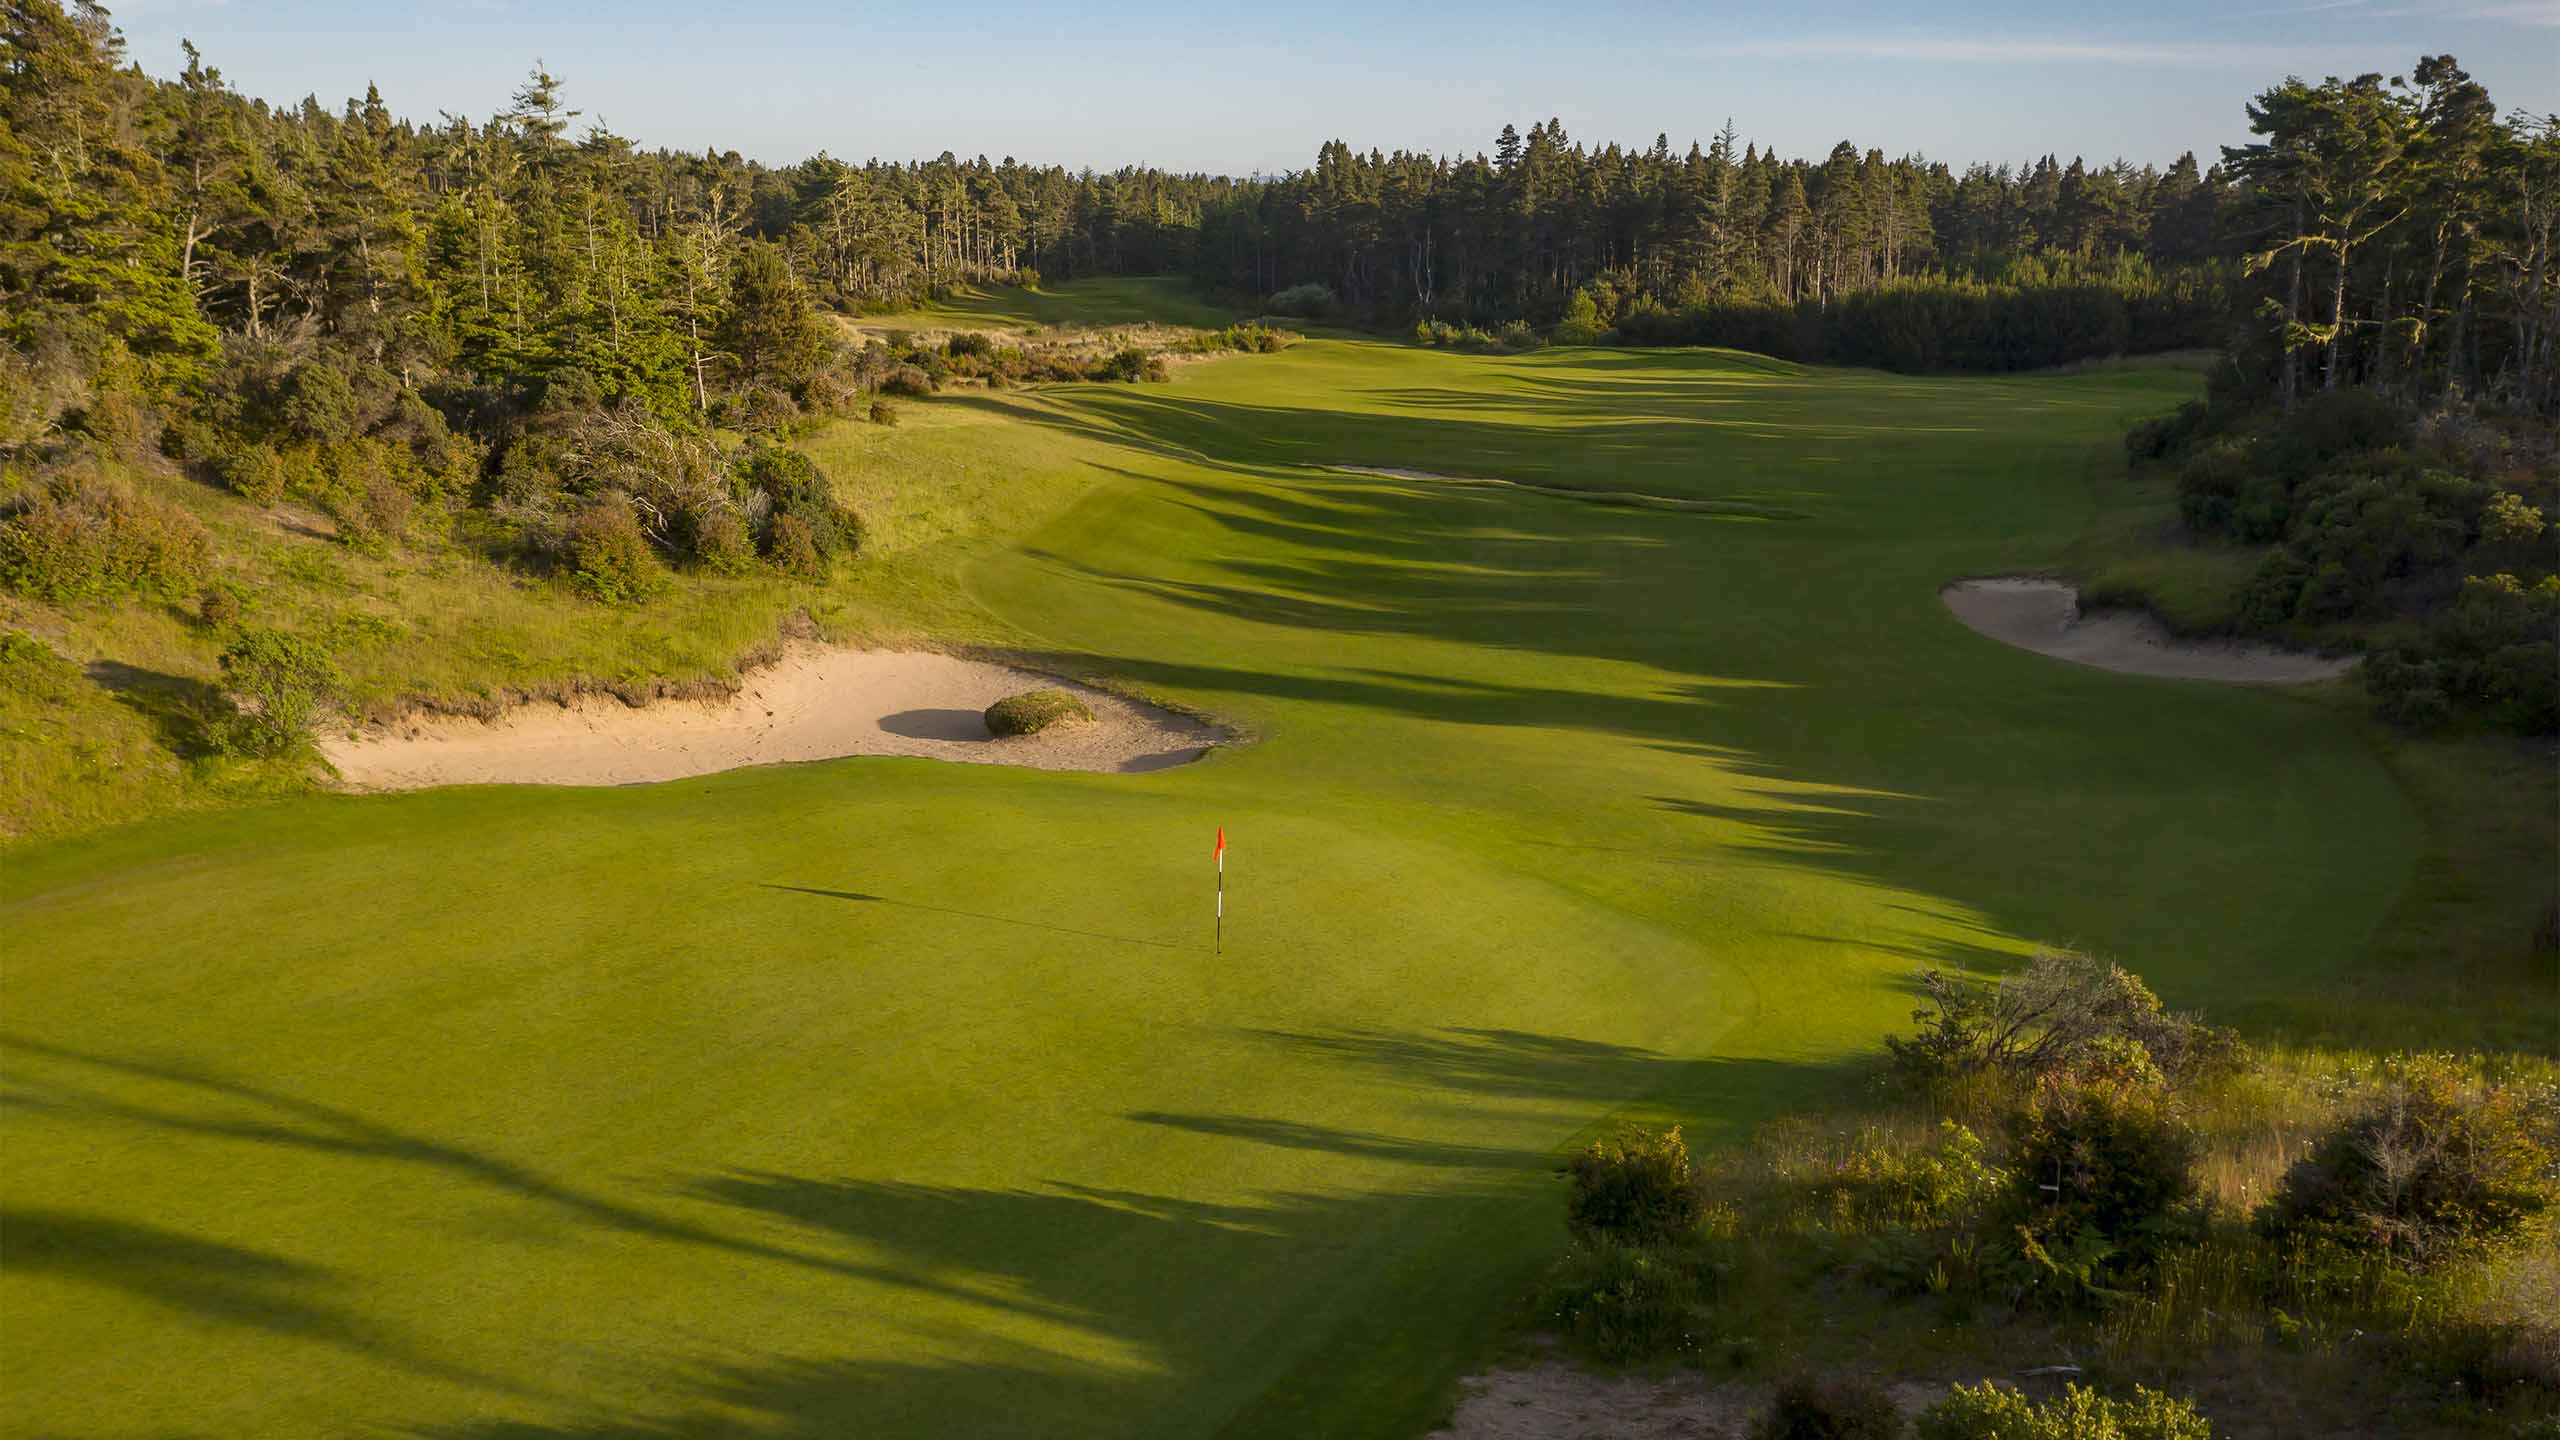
[(1834, 1407), (716, 536), (256, 472), (1634, 1185), (792, 548)]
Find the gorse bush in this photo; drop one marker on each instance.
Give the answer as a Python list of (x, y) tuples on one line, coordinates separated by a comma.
[(273, 682), (1033, 711), (2439, 1164), (1834, 1407), (2100, 1178), (87, 538), (1991, 1412), (1634, 1185)]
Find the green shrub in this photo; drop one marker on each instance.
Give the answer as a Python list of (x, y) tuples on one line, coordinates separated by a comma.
[(2495, 650), (1991, 1412), (87, 539), (2100, 1178), (1126, 366), (1621, 1303), (968, 343), (1900, 1186), (273, 682), (1836, 1407), (608, 555), (1634, 1185), (798, 490), (2438, 1165), (883, 413), (1033, 711)]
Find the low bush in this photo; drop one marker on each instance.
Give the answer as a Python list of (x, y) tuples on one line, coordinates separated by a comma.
[(1992, 1412), (2440, 1164), (86, 538), (1634, 1185), (883, 413), (1033, 711), (1621, 1303), (273, 682), (1836, 1407), (1306, 302), (607, 555), (908, 380)]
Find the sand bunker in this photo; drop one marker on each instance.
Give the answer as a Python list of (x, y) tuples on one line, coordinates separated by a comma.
[(2044, 616), (814, 704), (1634, 499), (1553, 1401)]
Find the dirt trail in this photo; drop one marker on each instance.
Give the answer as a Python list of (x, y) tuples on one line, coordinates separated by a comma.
[(2044, 616), (816, 703)]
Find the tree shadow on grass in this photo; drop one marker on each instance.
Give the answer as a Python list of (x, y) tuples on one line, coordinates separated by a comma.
[(213, 1282), (175, 705), (1049, 1306)]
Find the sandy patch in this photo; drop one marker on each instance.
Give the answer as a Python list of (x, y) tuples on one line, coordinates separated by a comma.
[(1635, 499), (816, 703), (2044, 616), (1554, 1401)]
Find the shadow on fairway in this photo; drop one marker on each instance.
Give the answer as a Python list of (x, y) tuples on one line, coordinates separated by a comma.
[(857, 895), (213, 1284), (1142, 1281)]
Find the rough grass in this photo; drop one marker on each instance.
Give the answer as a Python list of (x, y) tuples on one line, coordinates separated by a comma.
[(1033, 711), (875, 1094)]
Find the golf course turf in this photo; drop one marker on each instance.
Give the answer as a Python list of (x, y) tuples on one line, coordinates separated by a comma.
[(888, 1096)]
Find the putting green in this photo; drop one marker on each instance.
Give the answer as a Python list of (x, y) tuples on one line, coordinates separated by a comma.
[(882, 1095)]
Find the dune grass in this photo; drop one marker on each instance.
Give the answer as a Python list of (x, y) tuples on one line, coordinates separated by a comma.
[(873, 1095)]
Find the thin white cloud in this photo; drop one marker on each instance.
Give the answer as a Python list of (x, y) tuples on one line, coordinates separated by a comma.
[(1949, 50)]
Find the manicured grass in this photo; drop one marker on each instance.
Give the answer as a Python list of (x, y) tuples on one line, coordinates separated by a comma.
[(882, 1095)]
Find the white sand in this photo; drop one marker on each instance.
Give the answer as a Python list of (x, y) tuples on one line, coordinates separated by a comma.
[(1554, 1401), (2044, 616), (816, 703)]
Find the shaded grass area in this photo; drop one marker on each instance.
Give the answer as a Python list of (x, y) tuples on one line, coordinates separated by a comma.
[(876, 1094)]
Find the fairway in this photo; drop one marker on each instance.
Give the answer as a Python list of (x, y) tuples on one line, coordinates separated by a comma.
[(882, 1095)]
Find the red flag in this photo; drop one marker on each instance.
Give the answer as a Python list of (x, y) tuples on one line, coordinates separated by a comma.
[(1220, 853)]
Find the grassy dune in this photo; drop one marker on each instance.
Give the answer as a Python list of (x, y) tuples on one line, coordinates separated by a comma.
[(874, 1095)]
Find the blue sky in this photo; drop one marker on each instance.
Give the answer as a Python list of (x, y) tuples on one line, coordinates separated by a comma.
[(1245, 89)]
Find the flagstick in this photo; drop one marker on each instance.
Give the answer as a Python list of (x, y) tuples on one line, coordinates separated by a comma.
[(1219, 946)]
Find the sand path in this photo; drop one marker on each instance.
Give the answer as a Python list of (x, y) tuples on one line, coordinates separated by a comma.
[(816, 703), (2044, 616)]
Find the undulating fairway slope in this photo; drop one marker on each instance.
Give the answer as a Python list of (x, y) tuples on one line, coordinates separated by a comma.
[(889, 1097)]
